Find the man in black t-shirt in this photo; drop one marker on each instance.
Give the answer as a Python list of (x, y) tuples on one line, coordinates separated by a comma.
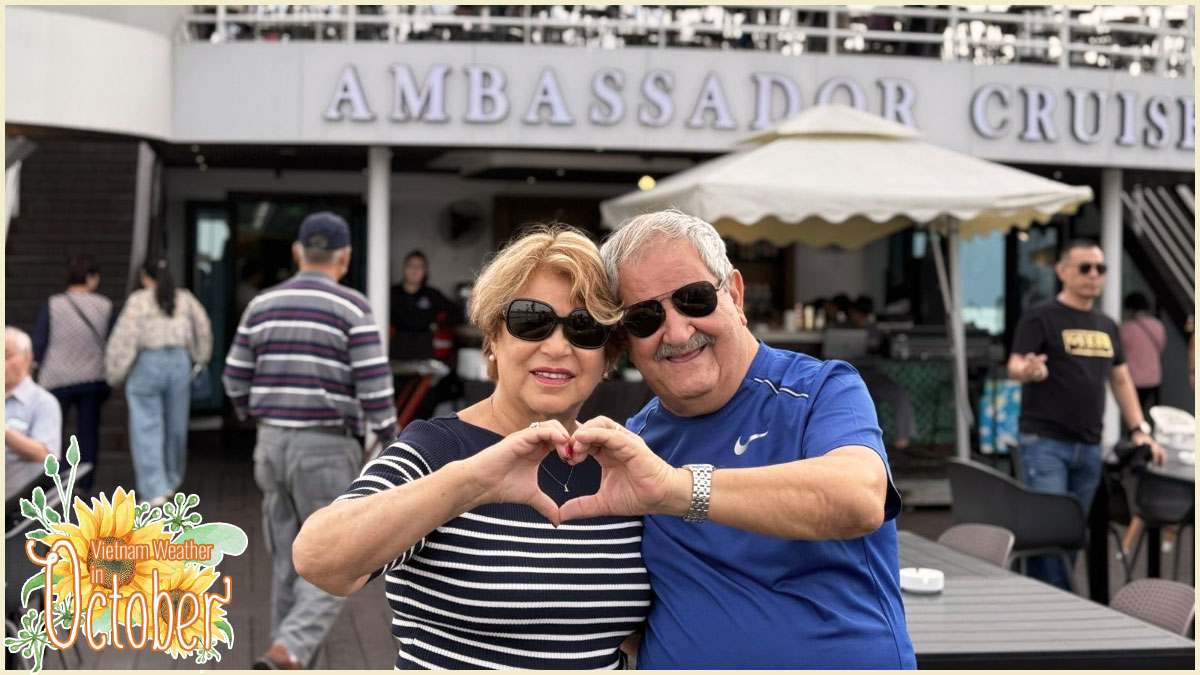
[(1064, 353)]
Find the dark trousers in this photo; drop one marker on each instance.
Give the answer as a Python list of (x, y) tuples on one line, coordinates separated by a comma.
[(86, 398), (1147, 397)]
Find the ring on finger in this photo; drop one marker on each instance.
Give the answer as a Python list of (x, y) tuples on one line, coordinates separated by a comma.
[(535, 425)]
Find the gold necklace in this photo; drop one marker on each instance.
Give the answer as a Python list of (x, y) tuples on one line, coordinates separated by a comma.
[(556, 480)]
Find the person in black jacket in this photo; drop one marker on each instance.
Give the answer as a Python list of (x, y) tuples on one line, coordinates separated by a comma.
[(417, 310)]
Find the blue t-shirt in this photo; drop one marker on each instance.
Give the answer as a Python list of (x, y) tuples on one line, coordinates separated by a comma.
[(728, 598)]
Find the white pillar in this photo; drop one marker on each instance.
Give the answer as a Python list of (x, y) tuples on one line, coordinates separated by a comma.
[(1111, 242), (379, 226)]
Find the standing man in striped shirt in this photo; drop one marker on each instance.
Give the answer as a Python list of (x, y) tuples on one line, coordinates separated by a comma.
[(309, 366)]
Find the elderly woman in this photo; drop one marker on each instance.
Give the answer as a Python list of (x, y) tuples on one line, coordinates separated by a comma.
[(461, 512)]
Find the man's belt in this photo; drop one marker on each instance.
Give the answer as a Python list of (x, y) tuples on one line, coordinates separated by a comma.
[(329, 430)]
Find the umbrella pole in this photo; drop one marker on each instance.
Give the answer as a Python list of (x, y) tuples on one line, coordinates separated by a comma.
[(951, 285), (959, 335)]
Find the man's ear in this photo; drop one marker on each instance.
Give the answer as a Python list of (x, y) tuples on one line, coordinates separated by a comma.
[(297, 253), (737, 293)]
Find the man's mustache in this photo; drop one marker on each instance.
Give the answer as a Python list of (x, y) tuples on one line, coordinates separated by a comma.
[(666, 351)]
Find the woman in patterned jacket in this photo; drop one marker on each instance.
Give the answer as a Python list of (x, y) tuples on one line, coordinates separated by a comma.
[(161, 339)]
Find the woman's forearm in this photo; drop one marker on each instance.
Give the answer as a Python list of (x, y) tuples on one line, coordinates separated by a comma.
[(340, 545)]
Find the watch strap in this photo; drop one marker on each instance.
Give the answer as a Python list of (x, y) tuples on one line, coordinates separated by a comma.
[(701, 492)]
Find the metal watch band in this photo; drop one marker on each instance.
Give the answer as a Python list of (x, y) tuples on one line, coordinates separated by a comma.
[(701, 492)]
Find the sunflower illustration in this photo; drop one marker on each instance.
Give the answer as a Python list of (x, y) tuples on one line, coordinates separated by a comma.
[(105, 524), (188, 578)]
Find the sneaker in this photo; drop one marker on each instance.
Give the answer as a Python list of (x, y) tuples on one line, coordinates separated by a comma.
[(277, 658), (158, 501)]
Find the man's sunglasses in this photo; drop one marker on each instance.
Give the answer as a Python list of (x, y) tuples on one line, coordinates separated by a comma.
[(1086, 268), (697, 299), (534, 320)]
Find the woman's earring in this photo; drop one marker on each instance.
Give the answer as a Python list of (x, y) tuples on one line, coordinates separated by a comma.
[(491, 357)]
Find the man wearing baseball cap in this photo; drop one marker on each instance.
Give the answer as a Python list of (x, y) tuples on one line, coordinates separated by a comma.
[(308, 365)]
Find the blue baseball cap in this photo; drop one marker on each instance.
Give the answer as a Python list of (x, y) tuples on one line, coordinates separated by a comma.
[(324, 230)]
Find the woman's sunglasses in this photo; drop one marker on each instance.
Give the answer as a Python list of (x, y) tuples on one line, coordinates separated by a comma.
[(1086, 268), (697, 299), (534, 320)]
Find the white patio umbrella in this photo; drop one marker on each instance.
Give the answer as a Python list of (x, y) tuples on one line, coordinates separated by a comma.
[(834, 175)]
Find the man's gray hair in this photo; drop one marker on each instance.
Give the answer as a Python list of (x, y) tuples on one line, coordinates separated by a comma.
[(320, 256), (23, 342), (632, 238)]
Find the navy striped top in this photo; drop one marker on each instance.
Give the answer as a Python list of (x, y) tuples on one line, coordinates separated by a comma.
[(308, 353), (500, 587)]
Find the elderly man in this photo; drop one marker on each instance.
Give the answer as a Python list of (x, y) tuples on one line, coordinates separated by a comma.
[(767, 494), (32, 417), (308, 365)]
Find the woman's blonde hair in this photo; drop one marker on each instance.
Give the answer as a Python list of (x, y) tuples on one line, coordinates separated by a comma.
[(556, 248)]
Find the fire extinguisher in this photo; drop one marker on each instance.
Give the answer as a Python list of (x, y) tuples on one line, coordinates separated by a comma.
[(443, 336)]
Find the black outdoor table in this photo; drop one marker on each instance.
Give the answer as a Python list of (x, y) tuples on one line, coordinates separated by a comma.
[(988, 617), (20, 478)]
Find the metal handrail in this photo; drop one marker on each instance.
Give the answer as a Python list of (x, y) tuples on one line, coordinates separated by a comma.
[(1163, 45), (1153, 231)]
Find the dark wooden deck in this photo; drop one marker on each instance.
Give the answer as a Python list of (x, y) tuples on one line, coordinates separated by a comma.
[(220, 471)]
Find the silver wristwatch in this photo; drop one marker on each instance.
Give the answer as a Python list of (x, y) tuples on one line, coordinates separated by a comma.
[(701, 492)]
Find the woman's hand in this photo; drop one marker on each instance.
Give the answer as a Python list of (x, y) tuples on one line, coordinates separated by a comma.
[(507, 472), (634, 480)]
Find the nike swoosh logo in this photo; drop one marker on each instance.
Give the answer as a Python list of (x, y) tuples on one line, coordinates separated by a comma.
[(739, 447)]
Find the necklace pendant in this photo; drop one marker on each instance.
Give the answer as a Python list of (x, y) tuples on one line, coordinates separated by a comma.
[(566, 489)]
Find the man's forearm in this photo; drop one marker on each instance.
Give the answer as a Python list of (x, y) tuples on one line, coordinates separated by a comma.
[(30, 449), (840, 495), (1127, 400)]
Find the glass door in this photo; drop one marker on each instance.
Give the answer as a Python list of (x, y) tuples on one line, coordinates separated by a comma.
[(265, 226), (244, 245), (211, 277)]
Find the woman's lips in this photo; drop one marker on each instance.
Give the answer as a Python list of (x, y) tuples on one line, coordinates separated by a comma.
[(552, 377)]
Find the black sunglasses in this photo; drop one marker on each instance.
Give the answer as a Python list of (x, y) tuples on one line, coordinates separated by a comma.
[(697, 299), (534, 320), (1086, 268)]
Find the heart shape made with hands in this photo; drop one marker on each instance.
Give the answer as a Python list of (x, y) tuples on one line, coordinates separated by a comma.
[(633, 480)]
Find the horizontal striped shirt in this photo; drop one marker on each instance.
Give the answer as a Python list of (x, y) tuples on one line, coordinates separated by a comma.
[(308, 353), (499, 586)]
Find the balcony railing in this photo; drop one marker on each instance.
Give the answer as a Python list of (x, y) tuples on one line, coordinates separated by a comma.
[(1136, 39)]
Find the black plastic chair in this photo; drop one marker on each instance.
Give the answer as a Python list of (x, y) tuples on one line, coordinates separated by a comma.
[(1041, 522), (1160, 502), (1116, 471)]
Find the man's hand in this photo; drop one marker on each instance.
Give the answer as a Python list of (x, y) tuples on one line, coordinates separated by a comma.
[(1034, 367), (1157, 454), (634, 481)]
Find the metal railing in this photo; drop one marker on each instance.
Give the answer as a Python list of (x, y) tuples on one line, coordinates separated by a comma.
[(1140, 39), (1165, 223)]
